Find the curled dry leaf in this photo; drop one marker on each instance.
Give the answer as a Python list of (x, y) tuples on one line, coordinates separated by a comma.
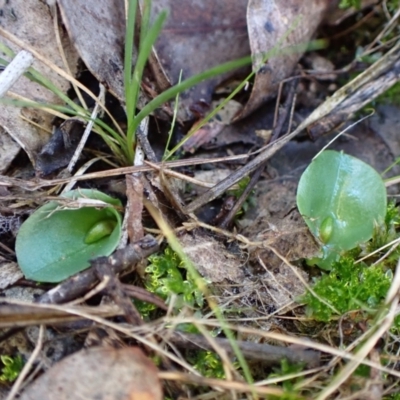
[(268, 23), (198, 35), (31, 22), (99, 373), (97, 29)]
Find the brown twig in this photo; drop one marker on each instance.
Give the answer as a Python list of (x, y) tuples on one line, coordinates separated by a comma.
[(263, 352), (79, 284), (117, 294)]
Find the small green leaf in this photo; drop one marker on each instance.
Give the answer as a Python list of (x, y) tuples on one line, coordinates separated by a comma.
[(341, 199), (326, 229), (100, 230), (55, 243)]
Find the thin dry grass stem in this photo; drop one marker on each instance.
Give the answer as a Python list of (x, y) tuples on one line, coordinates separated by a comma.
[(50, 111), (63, 57), (343, 132), (391, 24), (35, 124), (40, 183), (279, 337), (96, 290), (200, 283), (273, 278), (363, 337), (337, 359), (227, 385), (352, 28), (392, 243), (231, 235), (80, 172), (381, 326), (27, 367), (182, 177), (6, 248), (59, 71), (107, 159), (278, 379), (292, 108), (88, 129), (126, 330), (387, 254), (130, 331), (306, 285), (278, 101)]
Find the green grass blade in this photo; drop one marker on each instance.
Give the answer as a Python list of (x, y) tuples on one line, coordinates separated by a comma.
[(129, 40), (34, 104), (144, 22), (143, 56), (111, 137), (176, 107), (314, 45), (187, 84)]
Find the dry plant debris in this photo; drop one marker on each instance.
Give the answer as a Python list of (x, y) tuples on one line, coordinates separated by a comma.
[(28, 128), (234, 325)]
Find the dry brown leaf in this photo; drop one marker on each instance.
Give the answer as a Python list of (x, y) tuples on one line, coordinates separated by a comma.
[(99, 374), (198, 35), (134, 192), (97, 29), (31, 22), (268, 22), (208, 132)]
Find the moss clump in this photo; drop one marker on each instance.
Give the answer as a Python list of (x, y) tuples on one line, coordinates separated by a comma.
[(12, 366), (207, 364), (166, 276), (348, 286), (357, 286)]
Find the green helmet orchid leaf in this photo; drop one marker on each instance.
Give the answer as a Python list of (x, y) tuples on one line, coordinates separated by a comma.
[(341, 198), (56, 242)]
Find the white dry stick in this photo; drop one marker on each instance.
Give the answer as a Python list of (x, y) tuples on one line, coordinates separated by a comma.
[(87, 131), (17, 67)]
